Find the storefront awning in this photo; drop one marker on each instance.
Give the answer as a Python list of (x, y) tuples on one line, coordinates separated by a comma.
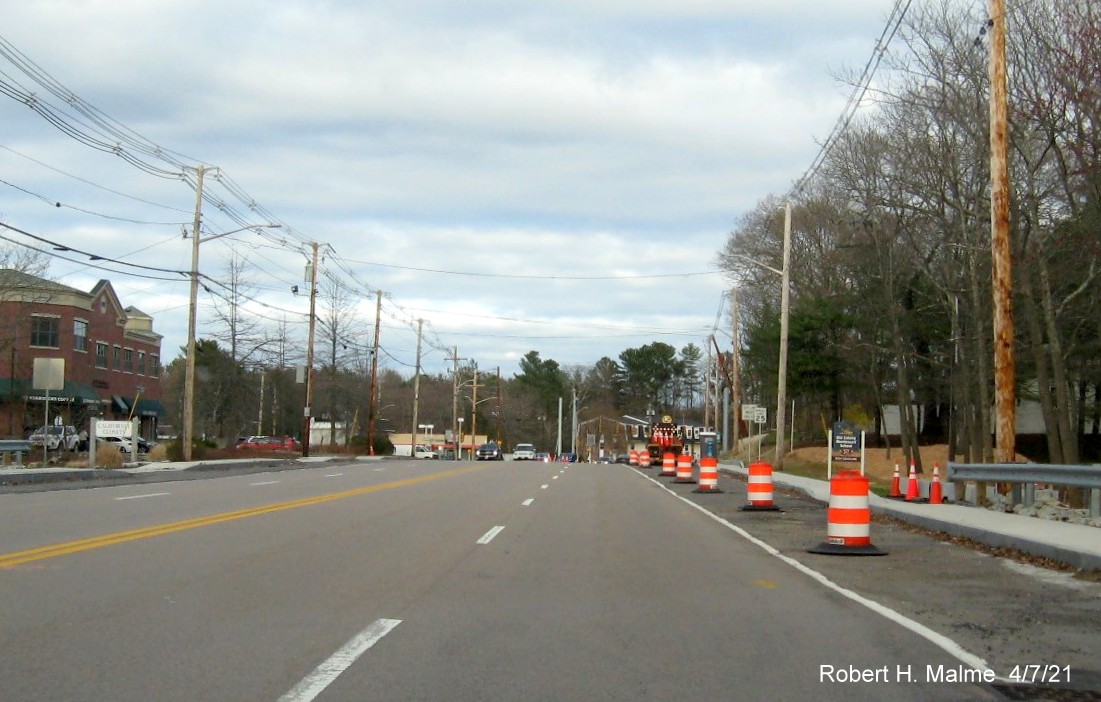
[(120, 403), (74, 392), (150, 408)]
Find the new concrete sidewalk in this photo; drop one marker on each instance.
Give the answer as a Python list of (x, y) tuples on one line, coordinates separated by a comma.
[(1077, 545)]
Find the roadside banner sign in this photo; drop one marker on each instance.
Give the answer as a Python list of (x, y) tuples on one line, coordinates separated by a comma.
[(111, 428)]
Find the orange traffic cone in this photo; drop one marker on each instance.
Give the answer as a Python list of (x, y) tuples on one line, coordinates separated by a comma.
[(912, 491), (896, 493), (936, 497)]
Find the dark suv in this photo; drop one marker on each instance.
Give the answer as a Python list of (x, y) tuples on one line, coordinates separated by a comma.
[(490, 452)]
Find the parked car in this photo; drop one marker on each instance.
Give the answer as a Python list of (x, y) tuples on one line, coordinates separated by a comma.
[(604, 459), (567, 458), (623, 458), (542, 457), (55, 437), (523, 452), (270, 443), (118, 442), (490, 451)]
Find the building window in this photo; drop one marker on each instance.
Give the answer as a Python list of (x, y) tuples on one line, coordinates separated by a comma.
[(118, 358), (141, 362), (128, 360), (80, 334), (101, 354), (44, 331), (154, 365)]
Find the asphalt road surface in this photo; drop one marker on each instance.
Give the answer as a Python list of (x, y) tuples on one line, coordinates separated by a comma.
[(403, 580)]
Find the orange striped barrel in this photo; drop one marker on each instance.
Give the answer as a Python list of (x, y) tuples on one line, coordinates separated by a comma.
[(709, 475), (644, 458), (668, 465), (759, 487), (683, 468), (849, 520), (632, 458)]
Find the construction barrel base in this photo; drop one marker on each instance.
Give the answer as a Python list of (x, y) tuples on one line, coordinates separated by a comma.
[(829, 549), (761, 508)]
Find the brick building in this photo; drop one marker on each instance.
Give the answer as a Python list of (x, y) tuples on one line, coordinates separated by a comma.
[(112, 356)]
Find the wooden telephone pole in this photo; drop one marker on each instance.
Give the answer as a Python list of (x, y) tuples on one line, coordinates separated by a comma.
[(371, 410), (307, 413), (1005, 375)]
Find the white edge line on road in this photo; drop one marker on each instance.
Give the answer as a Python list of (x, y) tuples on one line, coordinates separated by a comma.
[(527, 502), (266, 482), (333, 475), (138, 497), (489, 535), (379, 470), (323, 675), (940, 640)]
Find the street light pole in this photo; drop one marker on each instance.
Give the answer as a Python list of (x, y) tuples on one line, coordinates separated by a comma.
[(785, 299), (785, 304), (189, 366), (307, 412)]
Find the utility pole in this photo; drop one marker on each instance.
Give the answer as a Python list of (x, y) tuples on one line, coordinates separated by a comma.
[(1005, 450), (707, 388), (189, 368), (785, 302), (374, 378), (498, 405), (474, 412), (573, 420), (307, 412), (455, 402), (736, 368), (260, 415), (416, 388)]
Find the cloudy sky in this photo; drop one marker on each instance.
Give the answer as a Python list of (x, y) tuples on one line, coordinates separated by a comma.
[(554, 176)]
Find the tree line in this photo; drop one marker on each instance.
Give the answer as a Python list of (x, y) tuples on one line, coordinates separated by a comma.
[(891, 245)]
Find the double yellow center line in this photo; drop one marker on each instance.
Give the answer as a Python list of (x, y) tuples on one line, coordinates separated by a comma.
[(8, 560)]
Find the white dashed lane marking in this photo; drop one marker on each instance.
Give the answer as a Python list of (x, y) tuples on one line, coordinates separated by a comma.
[(490, 535)]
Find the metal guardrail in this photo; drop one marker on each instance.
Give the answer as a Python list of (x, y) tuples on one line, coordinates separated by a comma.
[(1025, 476), (15, 448)]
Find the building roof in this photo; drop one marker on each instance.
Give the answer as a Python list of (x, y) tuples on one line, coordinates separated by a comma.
[(11, 278)]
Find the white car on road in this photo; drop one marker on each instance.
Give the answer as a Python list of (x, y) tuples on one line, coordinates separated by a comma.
[(523, 452)]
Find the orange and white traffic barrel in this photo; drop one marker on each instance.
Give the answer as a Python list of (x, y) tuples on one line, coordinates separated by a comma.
[(644, 458), (759, 488), (849, 518), (709, 474), (683, 468), (668, 465), (632, 458)]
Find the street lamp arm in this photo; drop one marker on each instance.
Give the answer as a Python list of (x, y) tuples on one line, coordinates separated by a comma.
[(203, 240), (755, 262)]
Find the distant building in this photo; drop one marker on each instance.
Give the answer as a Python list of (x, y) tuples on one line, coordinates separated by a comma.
[(112, 356)]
